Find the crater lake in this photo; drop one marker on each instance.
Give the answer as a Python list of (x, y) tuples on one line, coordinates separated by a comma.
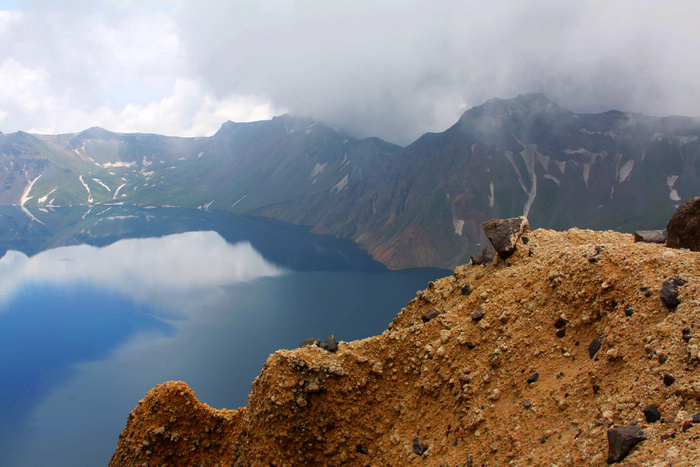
[(100, 304)]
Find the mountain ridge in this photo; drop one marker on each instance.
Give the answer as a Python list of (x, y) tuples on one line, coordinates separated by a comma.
[(419, 205)]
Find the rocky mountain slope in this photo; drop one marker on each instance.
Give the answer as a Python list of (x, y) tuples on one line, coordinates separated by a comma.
[(529, 360), (522, 156), (416, 206)]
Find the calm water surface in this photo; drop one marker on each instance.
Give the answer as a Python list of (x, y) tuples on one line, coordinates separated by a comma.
[(86, 330)]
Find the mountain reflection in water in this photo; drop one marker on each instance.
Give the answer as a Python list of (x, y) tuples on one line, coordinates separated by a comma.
[(86, 331)]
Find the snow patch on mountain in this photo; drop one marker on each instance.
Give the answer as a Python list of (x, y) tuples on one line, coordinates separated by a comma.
[(43, 199), (458, 225), (341, 185), (318, 170), (625, 171), (529, 156), (671, 182), (100, 182), (109, 165), (590, 160), (25, 196), (116, 192), (553, 178), (87, 188)]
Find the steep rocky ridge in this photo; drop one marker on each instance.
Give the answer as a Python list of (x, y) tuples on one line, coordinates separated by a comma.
[(493, 365), (522, 156)]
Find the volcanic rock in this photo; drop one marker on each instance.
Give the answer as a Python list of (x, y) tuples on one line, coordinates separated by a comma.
[(621, 440), (652, 414), (669, 380), (684, 227), (418, 447), (669, 291), (485, 256), (309, 341), (594, 346), (331, 343), (433, 313), (505, 233), (649, 236), (478, 314)]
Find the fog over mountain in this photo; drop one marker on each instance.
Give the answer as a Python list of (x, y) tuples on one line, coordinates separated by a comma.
[(390, 69)]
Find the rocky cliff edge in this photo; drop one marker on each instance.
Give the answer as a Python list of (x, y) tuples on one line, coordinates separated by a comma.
[(531, 360)]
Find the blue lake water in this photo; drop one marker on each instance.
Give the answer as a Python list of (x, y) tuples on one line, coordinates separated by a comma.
[(86, 329)]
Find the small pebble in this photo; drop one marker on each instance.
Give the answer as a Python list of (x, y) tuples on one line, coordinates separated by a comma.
[(669, 380)]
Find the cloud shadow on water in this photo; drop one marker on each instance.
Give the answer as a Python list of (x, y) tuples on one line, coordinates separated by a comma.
[(48, 331)]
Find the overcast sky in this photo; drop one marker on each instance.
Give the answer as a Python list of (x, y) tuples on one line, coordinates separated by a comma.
[(388, 68)]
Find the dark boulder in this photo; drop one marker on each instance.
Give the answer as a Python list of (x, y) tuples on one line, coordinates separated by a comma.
[(649, 236), (331, 343), (621, 440), (669, 291), (652, 414), (684, 226), (504, 233), (484, 257)]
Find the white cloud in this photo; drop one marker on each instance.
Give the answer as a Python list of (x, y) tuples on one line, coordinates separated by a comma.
[(64, 71), (189, 111), (401, 68), (393, 68)]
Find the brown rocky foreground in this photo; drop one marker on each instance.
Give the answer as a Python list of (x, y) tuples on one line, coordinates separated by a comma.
[(525, 361)]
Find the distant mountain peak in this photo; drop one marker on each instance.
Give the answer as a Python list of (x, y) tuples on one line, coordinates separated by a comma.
[(96, 132), (532, 103), (284, 119)]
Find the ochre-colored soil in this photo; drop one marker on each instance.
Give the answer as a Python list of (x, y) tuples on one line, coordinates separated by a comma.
[(460, 386)]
